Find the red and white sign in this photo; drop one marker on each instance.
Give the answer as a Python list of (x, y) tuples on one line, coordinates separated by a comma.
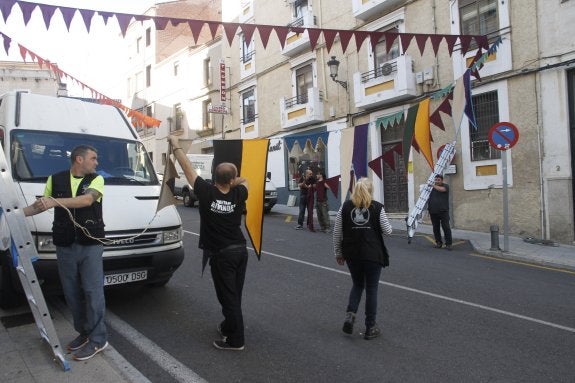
[(222, 81), (218, 109)]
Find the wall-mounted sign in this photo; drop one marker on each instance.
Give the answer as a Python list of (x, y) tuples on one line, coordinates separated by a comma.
[(503, 135), (222, 81), (218, 109)]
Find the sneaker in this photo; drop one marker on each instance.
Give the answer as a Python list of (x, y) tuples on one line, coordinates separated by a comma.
[(372, 332), (221, 333), (299, 227), (348, 324), (223, 345), (438, 245), (77, 343), (89, 350), (448, 247)]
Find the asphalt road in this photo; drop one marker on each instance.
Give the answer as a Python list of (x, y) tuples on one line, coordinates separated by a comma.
[(445, 317)]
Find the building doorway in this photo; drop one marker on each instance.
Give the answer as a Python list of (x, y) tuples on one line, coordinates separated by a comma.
[(394, 170)]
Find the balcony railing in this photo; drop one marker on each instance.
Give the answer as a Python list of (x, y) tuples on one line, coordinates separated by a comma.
[(385, 69)]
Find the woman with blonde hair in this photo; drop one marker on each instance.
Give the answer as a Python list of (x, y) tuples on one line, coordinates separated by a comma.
[(358, 242)]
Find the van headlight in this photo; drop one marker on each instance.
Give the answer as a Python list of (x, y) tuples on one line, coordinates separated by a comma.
[(171, 236), (45, 244)]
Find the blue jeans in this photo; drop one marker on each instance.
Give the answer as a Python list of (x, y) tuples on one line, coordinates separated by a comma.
[(229, 272), (364, 275), (82, 277)]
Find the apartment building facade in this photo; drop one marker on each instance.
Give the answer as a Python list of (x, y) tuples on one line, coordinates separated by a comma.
[(286, 92)]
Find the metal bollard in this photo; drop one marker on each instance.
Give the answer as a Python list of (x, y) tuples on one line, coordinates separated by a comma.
[(494, 237)]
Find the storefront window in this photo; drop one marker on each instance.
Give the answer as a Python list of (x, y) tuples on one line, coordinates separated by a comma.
[(302, 159)]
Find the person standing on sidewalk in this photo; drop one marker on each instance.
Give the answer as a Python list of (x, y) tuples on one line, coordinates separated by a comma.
[(321, 188), (79, 191), (305, 184), (358, 233), (221, 208), (438, 207)]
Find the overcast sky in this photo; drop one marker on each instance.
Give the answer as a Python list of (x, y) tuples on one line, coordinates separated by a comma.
[(92, 58)]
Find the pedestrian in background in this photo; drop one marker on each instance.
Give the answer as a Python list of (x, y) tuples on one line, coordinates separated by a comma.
[(358, 233), (321, 188), (438, 207), (79, 191), (306, 183), (221, 208)]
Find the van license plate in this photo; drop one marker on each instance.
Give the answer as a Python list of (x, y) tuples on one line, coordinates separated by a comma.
[(134, 276)]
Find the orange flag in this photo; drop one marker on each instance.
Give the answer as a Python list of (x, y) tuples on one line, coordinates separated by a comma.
[(422, 133)]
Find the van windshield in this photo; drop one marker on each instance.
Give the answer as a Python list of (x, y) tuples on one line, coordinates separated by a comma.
[(37, 154)]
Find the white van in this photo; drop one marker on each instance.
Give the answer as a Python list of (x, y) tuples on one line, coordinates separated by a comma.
[(203, 164), (37, 134)]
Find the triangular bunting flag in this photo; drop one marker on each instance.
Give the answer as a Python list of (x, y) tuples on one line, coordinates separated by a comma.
[(375, 165), (47, 13), (313, 34), (6, 8), (248, 31), (405, 39), (196, 28), (329, 36), (124, 21), (281, 33), (264, 31), (421, 39), (162, 22), (87, 16), (68, 15), (27, 9), (344, 37), (230, 30), (360, 36), (450, 40)]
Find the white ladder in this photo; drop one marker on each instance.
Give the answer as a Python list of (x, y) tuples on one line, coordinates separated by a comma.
[(415, 216), (24, 252)]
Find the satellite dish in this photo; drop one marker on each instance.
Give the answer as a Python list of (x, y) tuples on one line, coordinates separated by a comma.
[(386, 69)]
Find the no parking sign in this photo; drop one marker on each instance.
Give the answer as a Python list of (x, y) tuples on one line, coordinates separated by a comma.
[(503, 135)]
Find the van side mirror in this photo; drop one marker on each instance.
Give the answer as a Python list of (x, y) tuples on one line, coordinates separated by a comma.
[(269, 175)]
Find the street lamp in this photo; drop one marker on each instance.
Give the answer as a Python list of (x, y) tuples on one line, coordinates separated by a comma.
[(333, 68)]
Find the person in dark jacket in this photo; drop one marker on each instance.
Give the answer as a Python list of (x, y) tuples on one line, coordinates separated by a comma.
[(438, 207), (306, 195), (358, 233), (79, 191)]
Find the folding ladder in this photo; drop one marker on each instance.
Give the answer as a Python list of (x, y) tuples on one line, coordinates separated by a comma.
[(415, 216), (23, 254)]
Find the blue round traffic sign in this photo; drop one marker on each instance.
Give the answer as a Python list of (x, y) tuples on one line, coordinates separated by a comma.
[(503, 135)]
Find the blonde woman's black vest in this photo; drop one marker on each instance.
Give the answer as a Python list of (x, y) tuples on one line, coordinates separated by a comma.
[(64, 233), (361, 230)]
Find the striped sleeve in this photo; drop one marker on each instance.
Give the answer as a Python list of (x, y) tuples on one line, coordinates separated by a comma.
[(384, 223), (337, 235)]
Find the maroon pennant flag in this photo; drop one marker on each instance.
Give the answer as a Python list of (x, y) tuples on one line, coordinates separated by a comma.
[(23, 52), (445, 106), (47, 13), (27, 9), (297, 30), (6, 8), (7, 42), (450, 40), (375, 165), (140, 18), (435, 41), (465, 42), (344, 37), (398, 149), (390, 38), (230, 30), (162, 22), (421, 39), (360, 36), (248, 30), (482, 41), (405, 39), (313, 34), (389, 158), (40, 62), (264, 31), (374, 37), (175, 21), (124, 21), (281, 33), (329, 36), (213, 28), (87, 15), (435, 119), (196, 28), (333, 184)]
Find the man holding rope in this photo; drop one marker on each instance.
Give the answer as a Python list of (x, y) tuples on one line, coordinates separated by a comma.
[(76, 196)]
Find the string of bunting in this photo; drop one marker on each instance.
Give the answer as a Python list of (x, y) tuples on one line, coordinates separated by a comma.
[(231, 29), (138, 119)]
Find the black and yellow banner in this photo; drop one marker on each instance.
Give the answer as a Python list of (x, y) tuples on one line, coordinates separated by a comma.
[(251, 158)]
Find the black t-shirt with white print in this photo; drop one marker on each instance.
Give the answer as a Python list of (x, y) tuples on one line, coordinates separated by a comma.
[(220, 215)]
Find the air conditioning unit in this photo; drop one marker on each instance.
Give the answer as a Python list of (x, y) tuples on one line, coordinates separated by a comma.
[(386, 69)]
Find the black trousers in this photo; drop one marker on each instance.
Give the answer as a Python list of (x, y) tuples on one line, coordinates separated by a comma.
[(229, 272), (441, 220)]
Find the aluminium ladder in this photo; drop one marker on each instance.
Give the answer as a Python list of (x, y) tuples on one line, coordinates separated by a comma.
[(23, 253), (415, 216)]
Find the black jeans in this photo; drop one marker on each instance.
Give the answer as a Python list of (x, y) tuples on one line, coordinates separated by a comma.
[(228, 268), (441, 220), (302, 208), (364, 275)]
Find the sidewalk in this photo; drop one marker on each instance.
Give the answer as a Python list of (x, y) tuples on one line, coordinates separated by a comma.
[(26, 357), (553, 255)]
